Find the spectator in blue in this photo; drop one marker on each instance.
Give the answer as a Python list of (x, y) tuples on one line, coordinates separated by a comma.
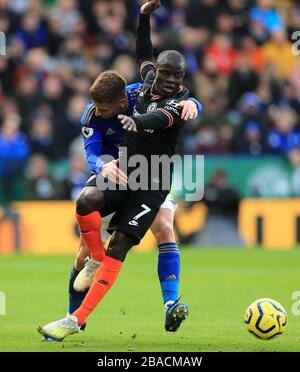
[(265, 13), (42, 138), (251, 142), (76, 178), (284, 136), (14, 152), (250, 106), (32, 32)]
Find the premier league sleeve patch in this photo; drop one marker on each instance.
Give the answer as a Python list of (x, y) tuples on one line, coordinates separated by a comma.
[(87, 132)]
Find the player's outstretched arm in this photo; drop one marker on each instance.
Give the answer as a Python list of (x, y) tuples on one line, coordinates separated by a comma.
[(161, 118), (144, 49)]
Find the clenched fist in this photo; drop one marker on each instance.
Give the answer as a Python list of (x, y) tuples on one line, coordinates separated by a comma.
[(150, 6)]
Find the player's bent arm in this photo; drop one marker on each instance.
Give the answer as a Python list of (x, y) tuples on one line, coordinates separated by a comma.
[(144, 49), (158, 119), (93, 151), (95, 164), (161, 118)]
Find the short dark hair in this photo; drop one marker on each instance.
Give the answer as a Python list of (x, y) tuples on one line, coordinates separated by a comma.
[(108, 87), (171, 56)]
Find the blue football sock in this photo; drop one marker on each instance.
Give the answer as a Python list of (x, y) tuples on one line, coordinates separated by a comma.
[(75, 298), (169, 270)]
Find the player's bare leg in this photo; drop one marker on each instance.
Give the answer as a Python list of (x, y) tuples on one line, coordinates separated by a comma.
[(82, 255), (162, 226), (86, 268), (169, 265)]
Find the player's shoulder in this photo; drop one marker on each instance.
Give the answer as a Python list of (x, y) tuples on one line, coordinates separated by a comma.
[(175, 99), (88, 113), (182, 94)]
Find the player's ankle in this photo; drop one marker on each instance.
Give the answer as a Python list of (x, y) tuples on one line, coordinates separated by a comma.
[(168, 304)]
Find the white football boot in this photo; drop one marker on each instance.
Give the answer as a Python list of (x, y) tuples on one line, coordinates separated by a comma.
[(60, 329), (86, 276)]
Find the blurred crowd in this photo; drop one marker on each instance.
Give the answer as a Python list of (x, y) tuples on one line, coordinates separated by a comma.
[(241, 65)]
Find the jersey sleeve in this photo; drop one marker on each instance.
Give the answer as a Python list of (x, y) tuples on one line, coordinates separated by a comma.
[(93, 152), (199, 106), (161, 118), (144, 49), (92, 139), (132, 91)]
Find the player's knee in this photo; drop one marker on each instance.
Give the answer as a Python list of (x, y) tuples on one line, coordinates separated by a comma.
[(119, 246), (89, 200), (163, 231)]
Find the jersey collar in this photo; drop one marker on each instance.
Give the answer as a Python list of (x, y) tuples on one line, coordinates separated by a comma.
[(156, 97)]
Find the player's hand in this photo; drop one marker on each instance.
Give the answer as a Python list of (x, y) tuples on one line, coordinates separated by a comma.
[(127, 123), (150, 6), (113, 173), (189, 110)]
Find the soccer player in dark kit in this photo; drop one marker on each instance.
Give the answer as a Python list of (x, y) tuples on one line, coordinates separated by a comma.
[(153, 130)]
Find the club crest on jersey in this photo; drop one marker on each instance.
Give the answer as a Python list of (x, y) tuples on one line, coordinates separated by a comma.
[(152, 107), (87, 132)]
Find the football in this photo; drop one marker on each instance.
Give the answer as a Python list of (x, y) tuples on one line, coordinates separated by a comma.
[(265, 318)]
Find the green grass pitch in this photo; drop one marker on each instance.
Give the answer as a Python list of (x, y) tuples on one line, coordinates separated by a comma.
[(218, 285)]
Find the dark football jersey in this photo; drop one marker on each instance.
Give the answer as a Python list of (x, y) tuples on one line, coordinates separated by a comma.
[(156, 141), (159, 141)]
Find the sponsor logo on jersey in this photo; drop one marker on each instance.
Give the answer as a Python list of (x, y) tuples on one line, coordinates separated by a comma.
[(171, 108), (174, 106), (174, 103), (87, 132)]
